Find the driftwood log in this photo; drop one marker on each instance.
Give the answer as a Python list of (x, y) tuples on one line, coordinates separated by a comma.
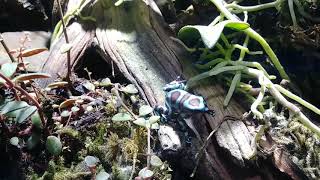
[(134, 39)]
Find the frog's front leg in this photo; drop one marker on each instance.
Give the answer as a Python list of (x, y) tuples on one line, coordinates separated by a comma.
[(163, 112)]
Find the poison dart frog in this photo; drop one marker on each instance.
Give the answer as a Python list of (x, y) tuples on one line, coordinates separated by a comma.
[(179, 101)]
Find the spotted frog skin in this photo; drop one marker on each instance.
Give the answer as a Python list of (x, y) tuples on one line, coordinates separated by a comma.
[(178, 100)]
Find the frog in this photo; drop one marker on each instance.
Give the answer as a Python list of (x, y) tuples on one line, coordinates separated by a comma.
[(179, 101)]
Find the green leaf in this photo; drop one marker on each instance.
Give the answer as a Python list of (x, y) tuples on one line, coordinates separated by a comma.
[(140, 122), (8, 69), (155, 161), (154, 119), (65, 48), (65, 113), (91, 161), (145, 110), (14, 141), (12, 106), (145, 173), (75, 109), (36, 120), (122, 117), (209, 34), (54, 145), (105, 82), (155, 126), (130, 89), (89, 86), (25, 113), (118, 3), (33, 140), (102, 175)]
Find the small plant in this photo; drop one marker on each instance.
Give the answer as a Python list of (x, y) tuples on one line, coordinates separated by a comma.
[(218, 57), (221, 61), (22, 118), (144, 119)]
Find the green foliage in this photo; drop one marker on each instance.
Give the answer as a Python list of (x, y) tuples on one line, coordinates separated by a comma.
[(229, 57), (54, 145), (209, 34), (122, 117), (14, 141), (145, 110), (102, 175), (8, 69), (130, 89)]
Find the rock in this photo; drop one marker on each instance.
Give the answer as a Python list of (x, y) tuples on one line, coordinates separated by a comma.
[(168, 138)]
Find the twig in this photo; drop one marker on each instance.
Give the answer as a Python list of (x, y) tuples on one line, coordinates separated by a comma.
[(6, 48), (67, 41), (149, 147), (203, 147), (133, 165)]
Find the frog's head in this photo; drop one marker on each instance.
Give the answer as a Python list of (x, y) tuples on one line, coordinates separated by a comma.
[(176, 84)]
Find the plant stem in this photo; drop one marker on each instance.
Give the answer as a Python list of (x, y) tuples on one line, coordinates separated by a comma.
[(298, 99), (149, 147), (67, 41), (253, 8), (282, 100), (6, 48), (292, 14), (254, 35), (35, 102)]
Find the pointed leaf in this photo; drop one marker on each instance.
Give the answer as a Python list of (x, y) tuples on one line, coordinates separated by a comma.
[(31, 52), (145, 110), (140, 122), (12, 106), (57, 84), (209, 34), (30, 76), (122, 117), (36, 121), (25, 113), (8, 69), (67, 103), (54, 145)]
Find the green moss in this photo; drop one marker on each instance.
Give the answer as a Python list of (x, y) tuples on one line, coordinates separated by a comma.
[(101, 129), (69, 132), (113, 146)]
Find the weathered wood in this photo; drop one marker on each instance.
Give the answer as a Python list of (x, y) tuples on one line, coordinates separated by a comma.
[(135, 38)]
